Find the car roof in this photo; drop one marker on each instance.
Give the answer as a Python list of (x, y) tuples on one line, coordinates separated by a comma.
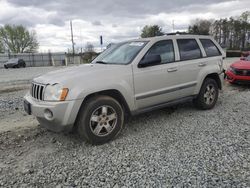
[(164, 37)]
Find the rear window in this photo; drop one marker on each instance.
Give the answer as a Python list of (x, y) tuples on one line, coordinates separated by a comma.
[(210, 48), (189, 49)]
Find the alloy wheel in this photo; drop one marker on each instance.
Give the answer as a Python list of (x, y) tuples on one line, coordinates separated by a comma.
[(210, 94), (103, 120)]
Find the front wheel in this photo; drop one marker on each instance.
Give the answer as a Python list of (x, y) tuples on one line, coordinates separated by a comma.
[(208, 95), (100, 119)]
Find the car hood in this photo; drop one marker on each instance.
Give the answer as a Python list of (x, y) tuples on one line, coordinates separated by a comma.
[(241, 64), (80, 73)]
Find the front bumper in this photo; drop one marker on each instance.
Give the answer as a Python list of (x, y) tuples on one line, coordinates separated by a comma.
[(64, 113), (232, 78)]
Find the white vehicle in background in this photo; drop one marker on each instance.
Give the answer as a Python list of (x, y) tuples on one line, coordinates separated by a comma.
[(128, 78)]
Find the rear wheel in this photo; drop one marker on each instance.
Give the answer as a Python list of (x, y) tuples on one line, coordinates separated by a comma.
[(24, 64), (208, 95), (100, 119), (5, 66)]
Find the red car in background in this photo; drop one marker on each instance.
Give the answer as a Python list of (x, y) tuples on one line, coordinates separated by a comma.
[(239, 72)]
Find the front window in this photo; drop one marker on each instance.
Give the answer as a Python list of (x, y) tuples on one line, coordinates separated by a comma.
[(165, 49), (122, 53)]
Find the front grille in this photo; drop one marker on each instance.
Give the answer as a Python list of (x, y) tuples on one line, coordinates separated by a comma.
[(242, 72), (37, 91)]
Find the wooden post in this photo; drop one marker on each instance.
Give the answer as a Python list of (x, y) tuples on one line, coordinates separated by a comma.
[(53, 62), (66, 61), (33, 60)]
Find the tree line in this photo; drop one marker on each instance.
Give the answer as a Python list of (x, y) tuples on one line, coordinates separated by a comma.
[(231, 33)]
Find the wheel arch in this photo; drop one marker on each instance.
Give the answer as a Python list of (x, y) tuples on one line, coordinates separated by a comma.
[(111, 93), (216, 77), (212, 75)]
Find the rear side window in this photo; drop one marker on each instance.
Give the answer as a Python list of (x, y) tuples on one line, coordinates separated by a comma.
[(163, 48), (210, 48), (189, 49)]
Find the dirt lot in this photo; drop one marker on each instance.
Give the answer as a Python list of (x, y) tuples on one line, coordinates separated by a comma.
[(179, 147)]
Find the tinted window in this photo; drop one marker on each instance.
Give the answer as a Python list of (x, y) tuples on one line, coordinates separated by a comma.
[(163, 48), (189, 49), (210, 48)]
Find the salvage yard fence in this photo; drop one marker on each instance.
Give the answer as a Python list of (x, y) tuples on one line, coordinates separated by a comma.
[(43, 59)]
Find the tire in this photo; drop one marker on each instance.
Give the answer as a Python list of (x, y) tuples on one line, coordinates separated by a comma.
[(208, 95), (100, 119), (5, 66), (24, 64)]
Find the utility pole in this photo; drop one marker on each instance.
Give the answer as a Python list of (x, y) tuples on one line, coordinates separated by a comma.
[(101, 42), (72, 37), (81, 38)]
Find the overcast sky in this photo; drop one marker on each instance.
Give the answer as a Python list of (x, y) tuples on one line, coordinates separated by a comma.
[(116, 20)]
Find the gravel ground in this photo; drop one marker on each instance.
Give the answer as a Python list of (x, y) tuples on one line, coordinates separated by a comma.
[(172, 147)]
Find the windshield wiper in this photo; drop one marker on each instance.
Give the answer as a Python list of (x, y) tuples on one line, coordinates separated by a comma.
[(101, 62)]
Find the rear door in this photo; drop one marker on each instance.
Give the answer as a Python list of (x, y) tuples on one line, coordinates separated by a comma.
[(190, 64), (213, 55)]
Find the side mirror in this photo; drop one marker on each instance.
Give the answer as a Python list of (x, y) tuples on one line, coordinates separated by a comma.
[(150, 61), (243, 58)]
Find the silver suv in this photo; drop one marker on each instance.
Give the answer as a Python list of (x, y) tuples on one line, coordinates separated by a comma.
[(127, 79)]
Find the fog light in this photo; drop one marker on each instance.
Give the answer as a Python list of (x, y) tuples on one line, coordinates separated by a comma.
[(48, 114)]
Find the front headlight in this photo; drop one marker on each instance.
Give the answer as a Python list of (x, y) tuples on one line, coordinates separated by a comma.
[(233, 70), (55, 92)]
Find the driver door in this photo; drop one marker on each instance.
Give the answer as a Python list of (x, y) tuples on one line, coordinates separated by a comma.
[(157, 84)]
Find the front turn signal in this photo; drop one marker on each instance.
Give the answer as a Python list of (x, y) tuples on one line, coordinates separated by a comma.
[(64, 94)]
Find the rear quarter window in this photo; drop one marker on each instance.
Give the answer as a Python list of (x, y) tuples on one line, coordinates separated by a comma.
[(210, 48), (188, 49)]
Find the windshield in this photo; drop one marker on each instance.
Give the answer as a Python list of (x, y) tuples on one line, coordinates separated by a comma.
[(122, 53)]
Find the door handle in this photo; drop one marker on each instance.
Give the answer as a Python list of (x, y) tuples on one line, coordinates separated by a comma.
[(173, 69), (202, 64)]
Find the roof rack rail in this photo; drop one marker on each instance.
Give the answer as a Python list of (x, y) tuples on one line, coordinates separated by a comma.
[(179, 33)]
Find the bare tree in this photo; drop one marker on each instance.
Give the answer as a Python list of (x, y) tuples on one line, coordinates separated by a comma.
[(18, 39)]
